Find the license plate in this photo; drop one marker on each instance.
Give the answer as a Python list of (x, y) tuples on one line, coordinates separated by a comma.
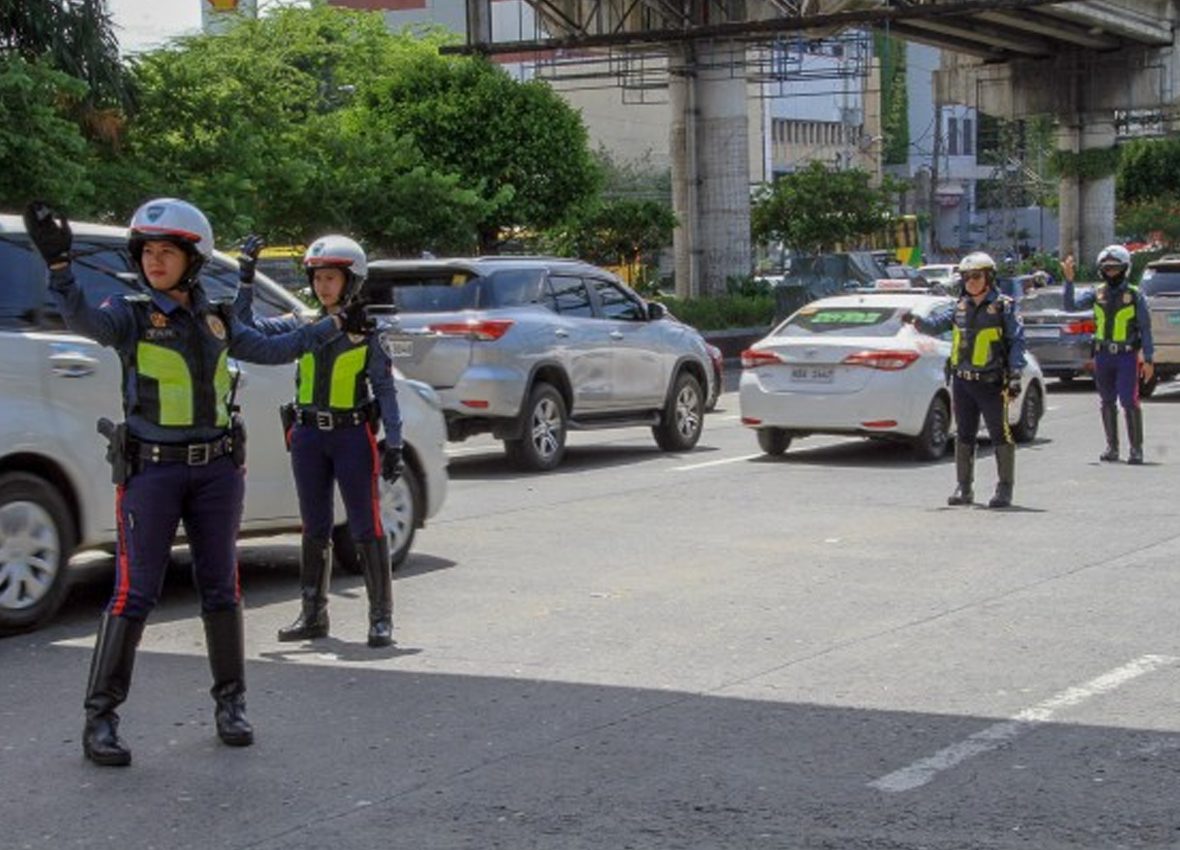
[(812, 374), (401, 348), (1041, 333)]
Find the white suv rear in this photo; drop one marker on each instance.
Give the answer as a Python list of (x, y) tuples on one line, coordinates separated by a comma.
[(56, 494)]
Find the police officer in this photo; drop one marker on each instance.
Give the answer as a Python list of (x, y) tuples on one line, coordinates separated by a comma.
[(343, 388), (987, 356), (1122, 345), (181, 452)]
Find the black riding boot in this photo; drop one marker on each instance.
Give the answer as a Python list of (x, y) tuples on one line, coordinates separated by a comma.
[(965, 472), (1135, 434), (1110, 425), (1006, 475), (106, 689), (315, 573), (227, 660), (379, 584)]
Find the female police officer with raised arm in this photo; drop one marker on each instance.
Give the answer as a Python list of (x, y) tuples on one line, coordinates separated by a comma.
[(182, 456), (342, 388)]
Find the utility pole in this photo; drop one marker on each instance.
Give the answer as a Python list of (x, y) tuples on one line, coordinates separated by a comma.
[(935, 247)]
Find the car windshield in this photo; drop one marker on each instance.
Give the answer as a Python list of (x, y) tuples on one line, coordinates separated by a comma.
[(1161, 282), (842, 321), (446, 290)]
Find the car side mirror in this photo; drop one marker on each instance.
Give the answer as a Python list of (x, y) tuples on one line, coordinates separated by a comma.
[(656, 311)]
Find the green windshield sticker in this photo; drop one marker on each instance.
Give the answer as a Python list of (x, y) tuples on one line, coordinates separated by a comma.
[(846, 317)]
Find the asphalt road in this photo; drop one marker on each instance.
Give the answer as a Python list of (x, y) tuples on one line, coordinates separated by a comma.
[(643, 650)]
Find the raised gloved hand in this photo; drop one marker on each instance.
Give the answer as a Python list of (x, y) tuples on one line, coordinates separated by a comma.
[(391, 463), (355, 320), (248, 257), (908, 317), (50, 232), (1012, 386)]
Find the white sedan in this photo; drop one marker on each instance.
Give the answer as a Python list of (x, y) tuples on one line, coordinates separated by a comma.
[(849, 365)]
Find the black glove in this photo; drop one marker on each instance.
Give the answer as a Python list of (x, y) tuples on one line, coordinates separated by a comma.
[(248, 257), (49, 231), (391, 463), (908, 318), (354, 319), (1013, 386)]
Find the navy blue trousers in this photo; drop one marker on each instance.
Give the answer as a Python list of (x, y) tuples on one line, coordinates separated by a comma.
[(347, 455), (975, 399), (150, 507), (1117, 376)]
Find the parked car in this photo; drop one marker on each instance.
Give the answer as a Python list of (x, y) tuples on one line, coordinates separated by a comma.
[(944, 276), (527, 348), (849, 365), (56, 495), (1160, 284), (1060, 339)]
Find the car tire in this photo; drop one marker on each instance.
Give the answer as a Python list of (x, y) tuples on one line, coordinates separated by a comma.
[(684, 416), (36, 537), (401, 508), (1147, 388), (542, 446), (773, 441), (1032, 408), (932, 442)]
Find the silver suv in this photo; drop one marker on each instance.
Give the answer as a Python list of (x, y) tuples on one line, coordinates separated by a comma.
[(1160, 284), (56, 494), (526, 348)]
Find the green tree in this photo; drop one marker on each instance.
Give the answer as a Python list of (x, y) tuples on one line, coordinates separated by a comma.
[(1148, 169), (43, 153), (813, 209), (266, 128), (519, 144), (616, 233)]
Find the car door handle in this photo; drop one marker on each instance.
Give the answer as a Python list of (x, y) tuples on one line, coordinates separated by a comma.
[(72, 364), (561, 333)]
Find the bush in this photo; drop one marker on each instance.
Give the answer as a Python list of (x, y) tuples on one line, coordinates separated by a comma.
[(724, 311)]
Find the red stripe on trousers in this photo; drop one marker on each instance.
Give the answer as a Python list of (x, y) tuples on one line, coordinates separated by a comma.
[(378, 529), (122, 563)]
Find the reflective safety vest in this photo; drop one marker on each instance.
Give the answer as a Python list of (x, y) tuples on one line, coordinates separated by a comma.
[(1114, 314), (178, 371), (332, 377), (977, 335)]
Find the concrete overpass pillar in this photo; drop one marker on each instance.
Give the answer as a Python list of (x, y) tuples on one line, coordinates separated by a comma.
[(1087, 204), (710, 166)]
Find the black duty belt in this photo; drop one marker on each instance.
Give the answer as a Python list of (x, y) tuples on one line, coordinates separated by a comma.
[(193, 454), (1112, 347), (326, 420), (986, 377)]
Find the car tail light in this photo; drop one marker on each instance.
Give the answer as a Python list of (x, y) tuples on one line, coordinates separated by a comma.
[(752, 358), (484, 330), (1084, 326), (890, 361)]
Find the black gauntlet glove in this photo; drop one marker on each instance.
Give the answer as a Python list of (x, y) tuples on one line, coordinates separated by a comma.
[(354, 319), (248, 257), (1013, 386), (49, 231), (391, 463)]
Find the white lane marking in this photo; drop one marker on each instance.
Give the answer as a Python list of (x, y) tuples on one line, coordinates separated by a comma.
[(922, 771), (723, 460)]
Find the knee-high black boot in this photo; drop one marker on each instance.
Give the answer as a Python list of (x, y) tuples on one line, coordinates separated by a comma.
[(1006, 474), (106, 689), (1110, 426), (227, 660), (965, 472), (315, 574), (379, 584), (1135, 434)]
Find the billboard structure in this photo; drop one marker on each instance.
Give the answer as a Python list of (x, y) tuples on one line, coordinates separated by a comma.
[(218, 15)]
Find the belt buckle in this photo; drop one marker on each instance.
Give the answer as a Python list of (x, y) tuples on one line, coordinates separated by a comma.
[(198, 454), (324, 420), (1112, 347)]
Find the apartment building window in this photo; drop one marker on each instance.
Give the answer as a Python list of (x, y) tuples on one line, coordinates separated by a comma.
[(952, 137), (968, 137)]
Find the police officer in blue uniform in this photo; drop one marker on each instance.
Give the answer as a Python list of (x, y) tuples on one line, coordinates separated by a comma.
[(987, 356), (1123, 346), (179, 455), (343, 388)]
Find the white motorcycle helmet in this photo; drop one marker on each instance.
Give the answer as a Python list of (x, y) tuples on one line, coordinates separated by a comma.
[(1114, 256), (176, 221), (978, 261), (338, 252)]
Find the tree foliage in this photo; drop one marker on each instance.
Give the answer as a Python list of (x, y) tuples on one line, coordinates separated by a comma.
[(813, 209), (616, 232), (522, 147), (1148, 169)]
